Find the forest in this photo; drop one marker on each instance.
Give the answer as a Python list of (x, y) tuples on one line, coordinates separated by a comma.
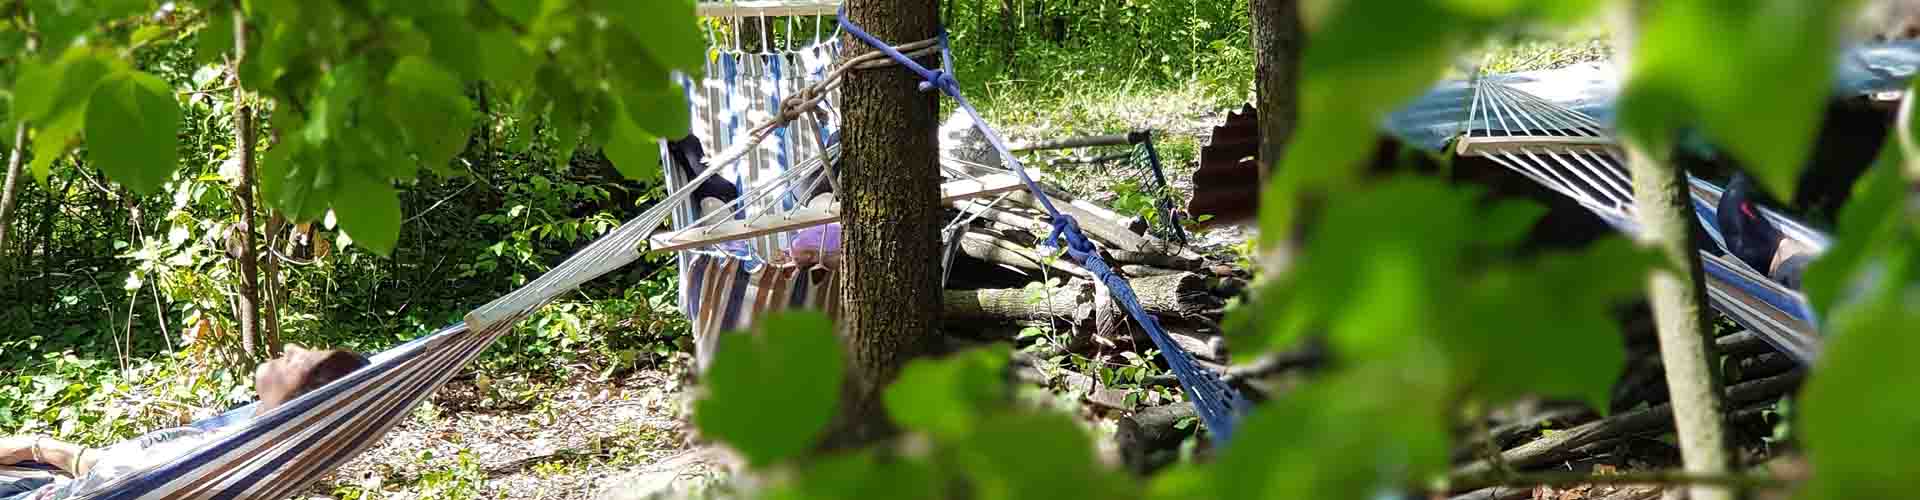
[(1379, 249)]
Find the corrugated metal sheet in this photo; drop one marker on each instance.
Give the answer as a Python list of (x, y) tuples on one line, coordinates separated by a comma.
[(1226, 186)]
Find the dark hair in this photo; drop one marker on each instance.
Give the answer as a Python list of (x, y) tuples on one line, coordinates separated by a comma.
[(332, 366)]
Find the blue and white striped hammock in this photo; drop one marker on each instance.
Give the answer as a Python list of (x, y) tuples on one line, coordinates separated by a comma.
[(276, 454), (1571, 153)]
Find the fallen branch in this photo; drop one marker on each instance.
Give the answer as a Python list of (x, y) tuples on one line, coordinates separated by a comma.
[(1542, 451), (1511, 433)]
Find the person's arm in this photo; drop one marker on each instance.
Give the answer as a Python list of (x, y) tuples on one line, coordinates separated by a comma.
[(69, 457)]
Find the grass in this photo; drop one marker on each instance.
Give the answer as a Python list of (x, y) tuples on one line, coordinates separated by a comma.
[(1179, 114), (1537, 51)]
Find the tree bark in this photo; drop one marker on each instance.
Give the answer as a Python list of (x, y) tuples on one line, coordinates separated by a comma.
[(249, 297), (892, 214), (1677, 293), (11, 192), (1277, 41)]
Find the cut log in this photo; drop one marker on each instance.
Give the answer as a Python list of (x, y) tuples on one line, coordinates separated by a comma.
[(1158, 258), (1206, 345), (1121, 248), (1182, 294), (992, 248), (1742, 343), (1017, 305), (1185, 295), (1150, 438)]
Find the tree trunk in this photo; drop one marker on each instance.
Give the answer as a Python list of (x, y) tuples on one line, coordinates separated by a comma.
[(10, 193), (249, 298), (1277, 41), (1677, 293), (891, 213)]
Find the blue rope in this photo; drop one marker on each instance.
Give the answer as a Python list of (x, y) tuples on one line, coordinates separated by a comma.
[(1215, 401)]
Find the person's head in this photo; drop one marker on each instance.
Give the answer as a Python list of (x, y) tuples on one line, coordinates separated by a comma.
[(300, 370)]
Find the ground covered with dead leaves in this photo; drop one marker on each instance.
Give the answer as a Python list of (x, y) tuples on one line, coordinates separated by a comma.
[(520, 439)]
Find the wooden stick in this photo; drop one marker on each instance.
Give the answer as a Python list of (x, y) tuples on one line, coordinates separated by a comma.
[(768, 8), (812, 215), (1482, 146)]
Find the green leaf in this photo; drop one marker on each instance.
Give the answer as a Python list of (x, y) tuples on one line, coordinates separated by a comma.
[(791, 364), (860, 475), (564, 119), (1326, 455), (662, 112), (1870, 219), (49, 92), (51, 142), (215, 40), (60, 22), (1037, 455), (412, 8), (132, 128), (1860, 421), (148, 34), (947, 397), (369, 210), (520, 11), (455, 44), (667, 29), (1507, 222), (292, 181), (430, 106), (1351, 77), (1517, 314), (507, 63), (634, 153), (1709, 63)]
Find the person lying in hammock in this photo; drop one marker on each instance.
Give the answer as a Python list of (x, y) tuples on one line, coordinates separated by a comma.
[(277, 381), (1754, 239)]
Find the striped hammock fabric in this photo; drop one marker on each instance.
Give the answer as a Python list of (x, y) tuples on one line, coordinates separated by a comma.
[(740, 90), (724, 288), (1574, 155), (728, 292), (277, 454)]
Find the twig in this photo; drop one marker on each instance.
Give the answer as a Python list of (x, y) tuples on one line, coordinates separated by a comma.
[(437, 204)]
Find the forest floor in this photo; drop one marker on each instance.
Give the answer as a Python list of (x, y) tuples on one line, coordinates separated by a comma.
[(512, 439)]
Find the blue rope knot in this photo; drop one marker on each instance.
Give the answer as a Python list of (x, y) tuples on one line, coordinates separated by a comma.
[(1077, 243), (941, 80)]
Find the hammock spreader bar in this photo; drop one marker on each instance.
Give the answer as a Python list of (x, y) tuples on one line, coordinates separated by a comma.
[(1217, 403)]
